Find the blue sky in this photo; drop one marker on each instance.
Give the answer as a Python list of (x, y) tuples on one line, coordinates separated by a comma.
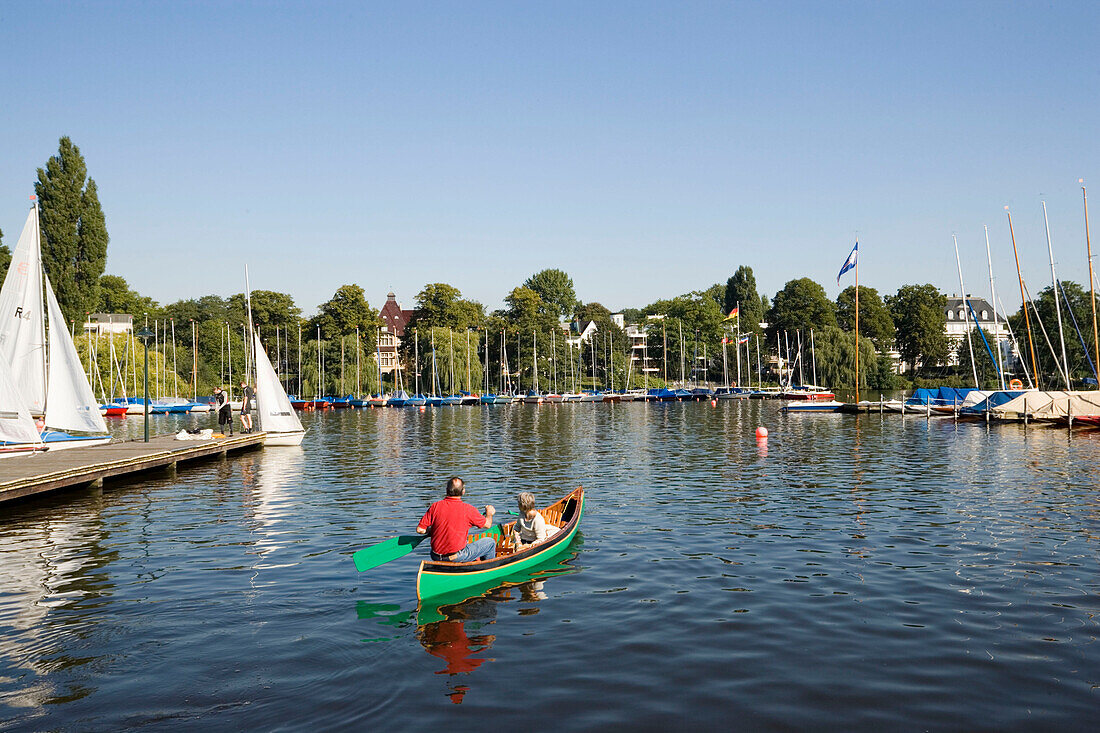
[(647, 149)]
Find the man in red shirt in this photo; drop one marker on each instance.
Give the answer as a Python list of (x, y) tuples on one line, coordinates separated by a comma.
[(449, 521)]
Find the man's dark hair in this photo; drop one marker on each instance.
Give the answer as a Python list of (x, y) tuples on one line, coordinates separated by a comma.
[(455, 485)]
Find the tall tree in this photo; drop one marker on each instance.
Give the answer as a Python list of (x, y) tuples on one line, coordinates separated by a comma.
[(555, 288), (920, 318), (983, 361), (74, 230), (440, 304), (801, 305), (345, 311), (116, 296), (875, 322), (741, 291)]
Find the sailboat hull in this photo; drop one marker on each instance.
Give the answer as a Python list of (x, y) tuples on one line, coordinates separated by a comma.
[(285, 439)]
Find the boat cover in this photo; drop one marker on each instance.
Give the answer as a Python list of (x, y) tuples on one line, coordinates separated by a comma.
[(993, 399), (945, 396), (1050, 405)]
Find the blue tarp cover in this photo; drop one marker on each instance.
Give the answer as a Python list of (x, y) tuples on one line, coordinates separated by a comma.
[(939, 396)]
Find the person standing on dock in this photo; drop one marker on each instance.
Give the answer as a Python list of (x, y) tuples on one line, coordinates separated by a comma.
[(225, 412), (247, 396), (449, 520)]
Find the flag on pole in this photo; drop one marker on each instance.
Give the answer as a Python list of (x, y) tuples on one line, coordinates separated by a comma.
[(733, 314), (849, 263), (744, 339), (725, 339)]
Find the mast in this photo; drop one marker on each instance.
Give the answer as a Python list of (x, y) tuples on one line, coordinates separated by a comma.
[(683, 379), (1057, 306), (996, 325), (736, 346), (535, 360), (759, 372), (1023, 301), (813, 356), (435, 377), (725, 367), (966, 313), (358, 348), (451, 352), (416, 360), (1092, 287), (299, 360), (320, 375), (194, 364), (469, 380)]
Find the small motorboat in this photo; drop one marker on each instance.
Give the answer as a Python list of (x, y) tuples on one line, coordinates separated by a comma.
[(812, 406)]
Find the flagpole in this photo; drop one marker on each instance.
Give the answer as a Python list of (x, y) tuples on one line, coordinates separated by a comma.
[(857, 323), (1092, 289)]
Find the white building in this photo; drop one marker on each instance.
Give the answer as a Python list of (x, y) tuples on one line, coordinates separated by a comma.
[(109, 323), (961, 319)]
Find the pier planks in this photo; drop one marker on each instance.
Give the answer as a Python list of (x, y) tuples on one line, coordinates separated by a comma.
[(23, 476)]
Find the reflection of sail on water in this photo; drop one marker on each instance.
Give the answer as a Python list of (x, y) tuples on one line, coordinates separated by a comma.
[(45, 565), (277, 474)]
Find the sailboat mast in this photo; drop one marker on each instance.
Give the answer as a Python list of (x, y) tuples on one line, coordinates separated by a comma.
[(966, 313), (358, 349), (813, 356), (1092, 281), (299, 361), (737, 346), (194, 364), (320, 376), (996, 324), (725, 367), (416, 359), (1023, 301), (1057, 305)]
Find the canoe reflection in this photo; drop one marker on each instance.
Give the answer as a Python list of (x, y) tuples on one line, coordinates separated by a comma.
[(454, 629)]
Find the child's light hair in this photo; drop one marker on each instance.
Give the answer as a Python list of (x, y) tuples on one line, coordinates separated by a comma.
[(526, 501)]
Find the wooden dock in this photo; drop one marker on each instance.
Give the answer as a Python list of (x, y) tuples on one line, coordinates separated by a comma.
[(23, 476)]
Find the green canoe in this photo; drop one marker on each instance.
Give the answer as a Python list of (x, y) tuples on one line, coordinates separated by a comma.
[(437, 578)]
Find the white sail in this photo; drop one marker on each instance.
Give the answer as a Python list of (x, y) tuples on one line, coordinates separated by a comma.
[(16, 423), (70, 403), (273, 410), (22, 323)]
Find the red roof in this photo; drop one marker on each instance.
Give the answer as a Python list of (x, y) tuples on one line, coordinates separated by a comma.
[(394, 316)]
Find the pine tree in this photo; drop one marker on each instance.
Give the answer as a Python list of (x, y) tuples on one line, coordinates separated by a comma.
[(74, 231)]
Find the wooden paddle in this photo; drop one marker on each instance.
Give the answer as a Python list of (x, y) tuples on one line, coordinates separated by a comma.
[(383, 552)]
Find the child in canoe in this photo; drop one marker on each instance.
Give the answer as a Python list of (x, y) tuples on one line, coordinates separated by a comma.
[(531, 527)]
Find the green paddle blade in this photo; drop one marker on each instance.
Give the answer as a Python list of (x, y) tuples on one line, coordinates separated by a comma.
[(383, 552)]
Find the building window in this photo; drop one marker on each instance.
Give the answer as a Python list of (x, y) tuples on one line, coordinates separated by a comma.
[(950, 315), (985, 315)]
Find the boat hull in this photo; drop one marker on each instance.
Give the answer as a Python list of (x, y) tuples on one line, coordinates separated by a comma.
[(287, 439), (441, 578)]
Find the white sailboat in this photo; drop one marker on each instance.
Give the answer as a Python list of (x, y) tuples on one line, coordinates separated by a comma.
[(36, 349), (274, 413)]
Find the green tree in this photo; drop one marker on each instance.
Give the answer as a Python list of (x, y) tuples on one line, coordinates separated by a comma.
[(920, 318), (440, 304), (74, 231), (741, 292), (693, 324), (271, 310), (801, 305), (5, 257), (556, 290), (836, 358), (527, 312), (1077, 300), (345, 311), (874, 320), (116, 296)]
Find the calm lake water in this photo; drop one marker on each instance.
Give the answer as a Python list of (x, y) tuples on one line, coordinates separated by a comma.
[(849, 572)]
